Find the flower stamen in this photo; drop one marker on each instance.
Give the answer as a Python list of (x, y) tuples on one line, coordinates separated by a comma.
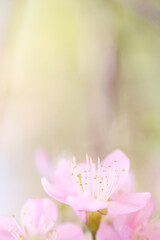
[(97, 179)]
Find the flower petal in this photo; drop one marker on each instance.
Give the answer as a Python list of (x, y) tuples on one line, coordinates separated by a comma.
[(116, 166), (150, 231), (62, 177), (134, 219), (126, 187), (86, 203), (9, 229), (54, 191), (129, 183), (40, 213), (107, 232), (128, 203), (69, 231), (122, 161)]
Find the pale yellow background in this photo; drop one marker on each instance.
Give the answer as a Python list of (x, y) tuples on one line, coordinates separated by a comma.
[(76, 77)]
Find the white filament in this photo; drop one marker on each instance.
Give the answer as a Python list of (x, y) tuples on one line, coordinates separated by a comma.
[(96, 179)]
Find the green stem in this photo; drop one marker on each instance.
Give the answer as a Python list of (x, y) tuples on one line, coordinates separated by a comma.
[(93, 221), (93, 236)]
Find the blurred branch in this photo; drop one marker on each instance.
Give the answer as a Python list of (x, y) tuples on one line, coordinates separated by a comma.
[(148, 9)]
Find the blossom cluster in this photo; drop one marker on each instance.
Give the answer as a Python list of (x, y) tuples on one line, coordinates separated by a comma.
[(102, 194)]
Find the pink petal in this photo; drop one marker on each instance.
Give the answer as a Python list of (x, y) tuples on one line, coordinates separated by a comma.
[(128, 203), (126, 187), (107, 232), (86, 203), (118, 161), (9, 229), (43, 164), (134, 219), (55, 174), (62, 177), (6, 235), (129, 184), (42, 212), (151, 231), (54, 191), (69, 231), (120, 157)]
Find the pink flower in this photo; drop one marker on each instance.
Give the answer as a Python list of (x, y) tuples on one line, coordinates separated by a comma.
[(108, 232), (38, 217), (138, 225), (133, 226), (91, 186)]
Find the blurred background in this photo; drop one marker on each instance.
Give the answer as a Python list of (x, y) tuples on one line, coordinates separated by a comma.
[(77, 77)]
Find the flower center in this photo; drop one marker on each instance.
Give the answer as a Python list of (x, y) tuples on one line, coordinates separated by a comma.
[(51, 236), (97, 179), (31, 232)]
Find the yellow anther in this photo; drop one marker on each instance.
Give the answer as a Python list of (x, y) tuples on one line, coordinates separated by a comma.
[(21, 236), (80, 178), (123, 170), (109, 166), (10, 230)]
